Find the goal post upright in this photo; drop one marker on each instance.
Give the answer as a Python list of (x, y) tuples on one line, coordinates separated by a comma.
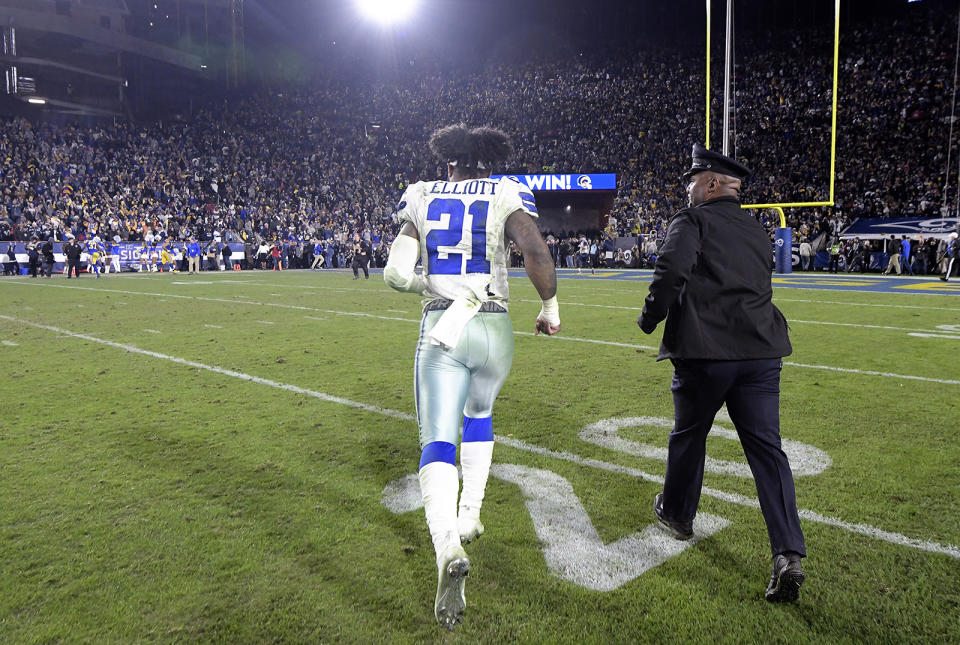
[(784, 234), (707, 142)]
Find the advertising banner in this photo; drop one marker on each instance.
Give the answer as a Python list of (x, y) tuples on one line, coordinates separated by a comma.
[(875, 228), (129, 255), (600, 181)]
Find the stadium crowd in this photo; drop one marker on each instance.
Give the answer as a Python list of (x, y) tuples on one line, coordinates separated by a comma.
[(314, 166)]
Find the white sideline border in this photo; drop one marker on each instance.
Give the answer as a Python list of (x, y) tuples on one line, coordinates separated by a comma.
[(733, 498), (650, 348)]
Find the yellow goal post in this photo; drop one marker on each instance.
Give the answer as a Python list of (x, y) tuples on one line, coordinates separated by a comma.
[(833, 126)]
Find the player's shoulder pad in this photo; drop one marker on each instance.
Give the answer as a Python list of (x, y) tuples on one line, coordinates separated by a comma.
[(517, 195), (410, 194)]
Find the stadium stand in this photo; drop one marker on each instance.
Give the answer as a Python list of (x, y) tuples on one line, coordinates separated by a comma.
[(305, 163)]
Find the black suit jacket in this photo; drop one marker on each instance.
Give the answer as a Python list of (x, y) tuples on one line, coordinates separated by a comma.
[(712, 284)]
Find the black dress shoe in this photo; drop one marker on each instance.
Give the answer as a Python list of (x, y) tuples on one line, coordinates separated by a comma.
[(678, 530), (786, 579)]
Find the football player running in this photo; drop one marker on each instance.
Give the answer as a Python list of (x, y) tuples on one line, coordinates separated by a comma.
[(460, 229)]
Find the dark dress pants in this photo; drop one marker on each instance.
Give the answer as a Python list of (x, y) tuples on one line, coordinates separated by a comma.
[(751, 390)]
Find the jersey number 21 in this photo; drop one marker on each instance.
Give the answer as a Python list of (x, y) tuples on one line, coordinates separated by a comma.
[(454, 235)]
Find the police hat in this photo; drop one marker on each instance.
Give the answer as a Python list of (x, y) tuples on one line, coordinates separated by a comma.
[(704, 159)]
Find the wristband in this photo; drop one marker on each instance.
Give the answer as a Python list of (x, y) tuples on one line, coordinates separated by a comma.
[(550, 311)]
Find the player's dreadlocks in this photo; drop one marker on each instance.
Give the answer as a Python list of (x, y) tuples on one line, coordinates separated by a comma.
[(479, 148)]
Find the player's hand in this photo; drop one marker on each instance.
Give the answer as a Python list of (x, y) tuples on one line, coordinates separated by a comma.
[(544, 326)]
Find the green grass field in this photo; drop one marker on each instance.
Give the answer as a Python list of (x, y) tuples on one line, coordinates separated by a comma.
[(204, 459)]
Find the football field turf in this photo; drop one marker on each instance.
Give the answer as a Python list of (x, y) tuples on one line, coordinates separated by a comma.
[(226, 457)]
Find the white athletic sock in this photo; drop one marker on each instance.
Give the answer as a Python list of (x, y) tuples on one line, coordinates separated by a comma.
[(475, 458), (439, 486)]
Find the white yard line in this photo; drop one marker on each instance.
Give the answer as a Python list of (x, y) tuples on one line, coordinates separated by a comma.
[(518, 333), (152, 331), (213, 326), (858, 325), (947, 336), (865, 304), (872, 373), (9, 343), (741, 500), (219, 370)]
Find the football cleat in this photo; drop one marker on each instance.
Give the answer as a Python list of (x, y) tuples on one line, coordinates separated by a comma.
[(469, 528), (451, 603)]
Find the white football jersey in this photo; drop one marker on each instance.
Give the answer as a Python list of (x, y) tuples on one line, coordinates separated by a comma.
[(463, 246)]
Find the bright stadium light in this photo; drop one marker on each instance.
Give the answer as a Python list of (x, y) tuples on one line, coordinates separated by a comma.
[(387, 12)]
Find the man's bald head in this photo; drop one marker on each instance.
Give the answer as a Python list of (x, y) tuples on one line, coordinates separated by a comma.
[(707, 185)]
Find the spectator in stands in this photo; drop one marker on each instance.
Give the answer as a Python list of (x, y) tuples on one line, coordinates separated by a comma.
[(271, 167)]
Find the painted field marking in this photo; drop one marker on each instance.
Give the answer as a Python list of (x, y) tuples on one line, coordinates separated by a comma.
[(951, 332), (932, 286), (857, 325), (264, 322), (823, 282), (517, 333), (152, 331), (314, 318), (805, 460), (865, 304), (862, 529), (191, 282), (213, 326), (791, 321), (571, 545), (219, 370), (946, 336), (9, 343)]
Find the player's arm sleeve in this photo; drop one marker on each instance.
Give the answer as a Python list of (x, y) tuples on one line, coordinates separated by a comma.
[(400, 271), (674, 265)]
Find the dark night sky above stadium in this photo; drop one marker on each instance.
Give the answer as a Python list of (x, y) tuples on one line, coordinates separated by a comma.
[(459, 27)]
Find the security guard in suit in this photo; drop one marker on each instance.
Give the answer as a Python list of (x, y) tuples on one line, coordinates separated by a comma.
[(726, 340)]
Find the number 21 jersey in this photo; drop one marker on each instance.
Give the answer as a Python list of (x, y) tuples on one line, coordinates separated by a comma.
[(461, 227)]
